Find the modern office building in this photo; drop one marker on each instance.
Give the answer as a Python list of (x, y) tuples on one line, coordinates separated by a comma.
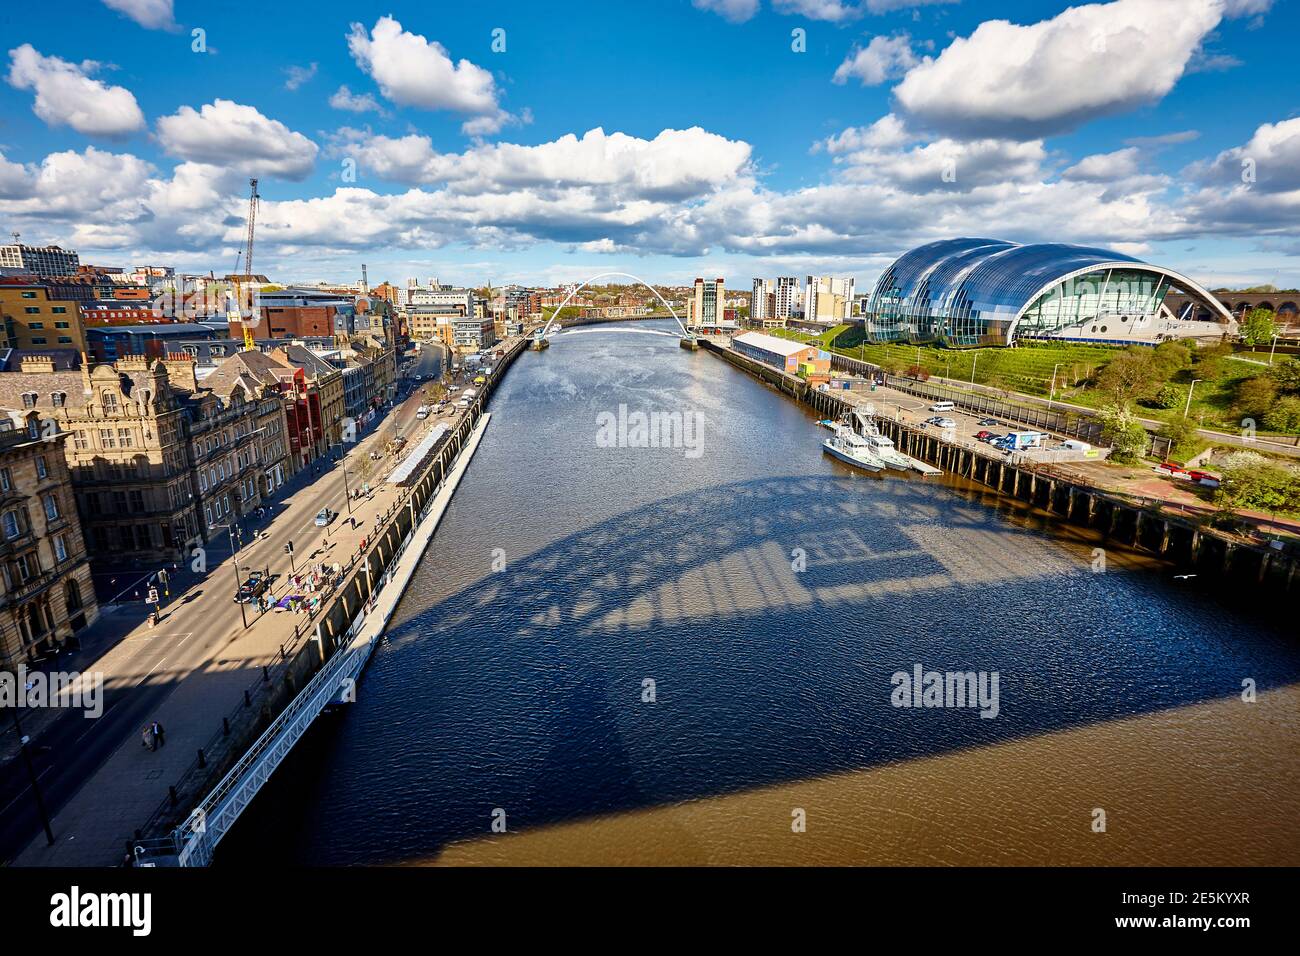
[(982, 292), (705, 308), (40, 260), (34, 319)]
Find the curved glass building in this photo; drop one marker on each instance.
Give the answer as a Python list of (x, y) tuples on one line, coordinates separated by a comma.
[(979, 292)]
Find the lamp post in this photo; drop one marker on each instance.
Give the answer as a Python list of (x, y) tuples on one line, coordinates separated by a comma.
[(975, 357), (234, 560), (1188, 407), (1272, 348), (31, 776), (1052, 393)]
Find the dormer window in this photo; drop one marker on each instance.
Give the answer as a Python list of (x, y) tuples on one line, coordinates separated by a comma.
[(110, 401), (29, 399), (58, 399)]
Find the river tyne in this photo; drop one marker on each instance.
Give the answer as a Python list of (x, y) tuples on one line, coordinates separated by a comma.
[(632, 655)]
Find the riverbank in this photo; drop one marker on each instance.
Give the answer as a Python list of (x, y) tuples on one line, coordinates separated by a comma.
[(1146, 525)]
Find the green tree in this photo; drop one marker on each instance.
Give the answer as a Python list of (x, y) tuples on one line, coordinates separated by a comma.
[(1284, 415), (1131, 374), (1258, 327), (1262, 486), (1125, 434), (1171, 357), (1170, 396), (1187, 441), (1254, 396), (1286, 374)]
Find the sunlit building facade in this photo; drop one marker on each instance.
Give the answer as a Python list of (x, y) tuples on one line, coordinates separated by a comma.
[(982, 292)]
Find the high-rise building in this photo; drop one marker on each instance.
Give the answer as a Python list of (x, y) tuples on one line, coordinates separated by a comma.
[(787, 299), (40, 260), (706, 308), (827, 299), (758, 301)]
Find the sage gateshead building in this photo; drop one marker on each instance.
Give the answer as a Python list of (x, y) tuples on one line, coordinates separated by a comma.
[(982, 292)]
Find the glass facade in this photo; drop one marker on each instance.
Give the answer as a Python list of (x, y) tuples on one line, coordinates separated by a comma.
[(974, 292)]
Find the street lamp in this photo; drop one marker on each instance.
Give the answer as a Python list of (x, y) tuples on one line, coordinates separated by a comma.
[(1052, 393), (234, 560), (31, 776), (1272, 348), (1188, 407), (975, 357)]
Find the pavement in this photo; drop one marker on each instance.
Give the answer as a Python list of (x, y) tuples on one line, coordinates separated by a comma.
[(189, 671)]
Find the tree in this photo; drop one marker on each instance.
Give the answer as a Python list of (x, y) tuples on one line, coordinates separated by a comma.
[(1284, 415), (1170, 396), (1286, 375), (1131, 374), (1125, 434), (1186, 440), (1260, 485), (1254, 396), (917, 372), (1258, 327), (1171, 357)]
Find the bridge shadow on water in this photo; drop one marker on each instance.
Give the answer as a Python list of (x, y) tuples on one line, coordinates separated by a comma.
[(523, 689)]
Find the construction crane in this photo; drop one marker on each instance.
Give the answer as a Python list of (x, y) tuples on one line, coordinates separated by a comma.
[(249, 344)]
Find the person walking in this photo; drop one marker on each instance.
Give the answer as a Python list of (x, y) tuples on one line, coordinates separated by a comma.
[(147, 738), (157, 729)]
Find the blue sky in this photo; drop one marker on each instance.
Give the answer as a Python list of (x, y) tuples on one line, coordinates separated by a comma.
[(397, 136)]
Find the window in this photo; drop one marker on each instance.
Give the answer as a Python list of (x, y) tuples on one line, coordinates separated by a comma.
[(12, 527), (62, 325), (38, 340), (29, 295), (59, 309), (33, 310), (51, 507), (60, 548), (29, 399), (58, 399), (124, 438), (110, 401), (106, 438), (65, 340), (36, 325), (42, 470), (6, 480), (137, 500)]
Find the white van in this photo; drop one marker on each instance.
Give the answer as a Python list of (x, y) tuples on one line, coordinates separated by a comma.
[(943, 407), (422, 412), (1075, 445)]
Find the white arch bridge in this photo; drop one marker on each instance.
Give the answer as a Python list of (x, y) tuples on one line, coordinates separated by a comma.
[(540, 340)]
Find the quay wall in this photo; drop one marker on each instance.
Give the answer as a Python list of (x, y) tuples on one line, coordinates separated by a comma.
[(317, 640), (1146, 527)]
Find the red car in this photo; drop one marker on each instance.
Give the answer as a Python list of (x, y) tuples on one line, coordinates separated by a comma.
[(985, 435)]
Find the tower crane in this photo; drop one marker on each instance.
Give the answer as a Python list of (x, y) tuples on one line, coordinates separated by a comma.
[(246, 324)]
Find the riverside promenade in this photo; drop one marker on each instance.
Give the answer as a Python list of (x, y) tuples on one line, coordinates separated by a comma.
[(195, 667)]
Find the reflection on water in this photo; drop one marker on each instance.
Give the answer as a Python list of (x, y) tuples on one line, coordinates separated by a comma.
[(769, 594)]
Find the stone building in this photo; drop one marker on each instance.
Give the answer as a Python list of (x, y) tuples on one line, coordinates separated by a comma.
[(46, 592)]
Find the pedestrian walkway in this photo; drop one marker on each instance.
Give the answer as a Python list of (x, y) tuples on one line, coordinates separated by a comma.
[(200, 659)]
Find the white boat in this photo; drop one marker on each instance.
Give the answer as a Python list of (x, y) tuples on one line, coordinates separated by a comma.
[(883, 447), (852, 449)]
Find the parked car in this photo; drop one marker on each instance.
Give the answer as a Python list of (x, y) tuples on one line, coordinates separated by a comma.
[(252, 588), (324, 517), (986, 435), (944, 423), (990, 422)]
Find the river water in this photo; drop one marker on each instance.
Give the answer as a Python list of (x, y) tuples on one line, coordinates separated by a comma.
[(687, 655)]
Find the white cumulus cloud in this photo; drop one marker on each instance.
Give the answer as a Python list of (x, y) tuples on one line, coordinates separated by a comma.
[(231, 135), (414, 71), (150, 14), (66, 95), (1007, 79), (736, 11), (884, 58)]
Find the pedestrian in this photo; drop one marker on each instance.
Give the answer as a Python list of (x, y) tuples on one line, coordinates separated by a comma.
[(147, 738), (157, 729)]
